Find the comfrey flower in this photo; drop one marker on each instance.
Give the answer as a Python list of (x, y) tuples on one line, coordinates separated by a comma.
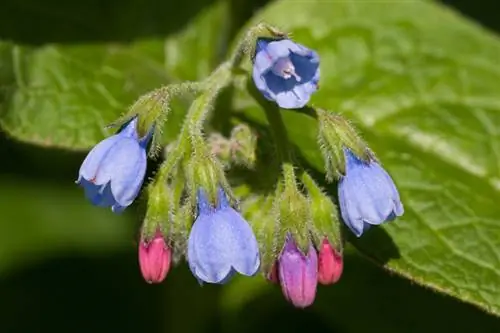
[(367, 194), (113, 171), (298, 274), (154, 259), (330, 264), (221, 242), (285, 72)]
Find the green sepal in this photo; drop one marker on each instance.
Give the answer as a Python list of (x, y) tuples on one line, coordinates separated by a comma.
[(294, 212), (325, 220), (335, 134), (204, 170), (159, 211)]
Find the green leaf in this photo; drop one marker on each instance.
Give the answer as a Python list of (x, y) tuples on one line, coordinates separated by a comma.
[(64, 95), (421, 83)]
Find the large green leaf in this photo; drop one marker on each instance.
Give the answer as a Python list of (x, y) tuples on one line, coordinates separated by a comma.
[(64, 95), (421, 83)]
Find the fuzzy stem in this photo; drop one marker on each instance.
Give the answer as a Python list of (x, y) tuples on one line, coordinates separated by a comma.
[(279, 133), (193, 124)]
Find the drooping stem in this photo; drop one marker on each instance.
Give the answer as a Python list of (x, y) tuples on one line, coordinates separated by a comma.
[(192, 128), (283, 148), (279, 133), (156, 103)]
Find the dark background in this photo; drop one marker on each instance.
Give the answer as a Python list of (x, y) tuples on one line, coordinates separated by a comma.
[(71, 291)]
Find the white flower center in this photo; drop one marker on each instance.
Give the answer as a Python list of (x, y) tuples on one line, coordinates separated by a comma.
[(284, 68)]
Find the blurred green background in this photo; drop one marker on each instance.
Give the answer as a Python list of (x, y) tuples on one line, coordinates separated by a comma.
[(66, 266)]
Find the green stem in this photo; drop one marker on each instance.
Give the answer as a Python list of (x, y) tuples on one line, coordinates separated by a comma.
[(159, 101), (289, 176), (193, 124), (279, 133)]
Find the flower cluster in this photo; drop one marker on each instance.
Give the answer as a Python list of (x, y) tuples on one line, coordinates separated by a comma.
[(291, 234)]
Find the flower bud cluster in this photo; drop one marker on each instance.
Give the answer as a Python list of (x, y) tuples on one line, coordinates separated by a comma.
[(291, 234)]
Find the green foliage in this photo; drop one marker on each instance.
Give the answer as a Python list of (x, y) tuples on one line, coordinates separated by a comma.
[(418, 81), (65, 95)]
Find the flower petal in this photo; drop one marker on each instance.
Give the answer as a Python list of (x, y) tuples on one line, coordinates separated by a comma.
[(298, 274), (242, 245), (99, 195), (367, 194), (125, 166), (129, 130), (291, 92), (290, 100), (207, 257), (91, 164), (269, 52)]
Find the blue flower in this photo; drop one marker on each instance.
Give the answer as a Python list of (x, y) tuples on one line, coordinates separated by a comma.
[(221, 242), (367, 194), (113, 171), (285, 72)]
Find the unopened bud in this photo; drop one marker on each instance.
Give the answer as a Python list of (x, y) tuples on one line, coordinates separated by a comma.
[(298, 274), (220, 146), (330, 264), (154, 258), (243, 145)]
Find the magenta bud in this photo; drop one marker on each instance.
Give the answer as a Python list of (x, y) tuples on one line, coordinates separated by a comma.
[(298, 274), (154, 259), (330, 264)]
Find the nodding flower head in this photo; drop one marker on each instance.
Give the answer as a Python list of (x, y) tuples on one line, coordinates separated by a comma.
[(367, 194), (113, 172), (221, 242)]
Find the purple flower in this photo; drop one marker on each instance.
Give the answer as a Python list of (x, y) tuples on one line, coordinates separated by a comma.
[(285, 72), (367, 194), (298, 274), (221, 242), (113, 171)]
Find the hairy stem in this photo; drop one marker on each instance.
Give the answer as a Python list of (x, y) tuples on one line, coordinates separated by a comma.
[(192, 128)]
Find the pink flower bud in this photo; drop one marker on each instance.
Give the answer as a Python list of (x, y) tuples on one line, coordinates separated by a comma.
[(330, 264), (154, 259), (298, 274)]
